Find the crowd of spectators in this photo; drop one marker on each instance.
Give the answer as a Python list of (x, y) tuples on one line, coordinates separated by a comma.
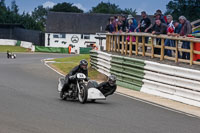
[(163, 25)]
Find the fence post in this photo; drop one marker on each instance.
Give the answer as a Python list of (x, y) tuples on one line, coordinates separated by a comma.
[(115, 46), (152, 47), (191, 52), (136, 46), (122, 51), (107, 41), (126, 46), (130, 46), (119, 43), (112, 42), (176, 56), (162, 49), (143, 46)]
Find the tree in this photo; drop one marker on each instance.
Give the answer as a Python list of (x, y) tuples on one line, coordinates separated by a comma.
[(3, 11), (66, 7), (39, 15), (14, 7), (107, 8), (188, 8)]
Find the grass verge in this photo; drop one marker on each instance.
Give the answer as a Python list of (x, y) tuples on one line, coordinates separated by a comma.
[(4, 48), (65, 65)]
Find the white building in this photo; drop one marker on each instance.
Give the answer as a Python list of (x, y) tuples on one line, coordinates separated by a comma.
[(78, 29)]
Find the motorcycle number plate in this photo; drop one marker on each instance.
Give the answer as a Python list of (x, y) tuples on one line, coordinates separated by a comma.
[(81, 76)]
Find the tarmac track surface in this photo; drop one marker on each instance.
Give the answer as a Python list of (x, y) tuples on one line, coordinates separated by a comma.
[(29, 103)]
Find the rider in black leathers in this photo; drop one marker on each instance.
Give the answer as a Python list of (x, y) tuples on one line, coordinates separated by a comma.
[(108, 87), (81, 68)]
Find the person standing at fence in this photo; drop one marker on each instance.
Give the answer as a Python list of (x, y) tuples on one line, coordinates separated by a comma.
[(130, 28), (160, 28), (144, 26), (110, 27), (134, 22), (178, 27), (170, 31), (161, 16), (185, 30)]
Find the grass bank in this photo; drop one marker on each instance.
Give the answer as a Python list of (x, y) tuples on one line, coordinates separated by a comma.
[(65, 65), (4, 48)]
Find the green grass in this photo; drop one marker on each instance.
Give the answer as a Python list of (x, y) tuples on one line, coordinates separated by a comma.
[(4, 48), (65, 65)]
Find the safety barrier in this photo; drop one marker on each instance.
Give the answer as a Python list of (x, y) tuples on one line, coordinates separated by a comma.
[(10, 42), (50, 49), (167, 81)]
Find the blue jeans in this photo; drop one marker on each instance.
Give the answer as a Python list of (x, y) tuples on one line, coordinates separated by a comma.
[(170, 43), (186, 55)]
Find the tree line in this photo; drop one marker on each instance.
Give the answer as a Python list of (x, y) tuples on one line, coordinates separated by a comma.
[(36, 20)]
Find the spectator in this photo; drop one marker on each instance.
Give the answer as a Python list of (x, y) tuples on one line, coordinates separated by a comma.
[(162, 17), (159, 16), (178, 27), (160, 28), (131, 28), (185, 30), (120, 26), (134, 24), (170, 31), (124, 24), (110, 27), (144, 26)]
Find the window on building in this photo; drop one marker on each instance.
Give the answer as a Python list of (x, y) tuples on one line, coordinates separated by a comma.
[(55, 36), (87, 36), (59, 36), (62, 35)]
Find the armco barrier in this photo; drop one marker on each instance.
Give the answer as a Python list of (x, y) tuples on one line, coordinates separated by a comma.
[(167, 81), (85, 50)]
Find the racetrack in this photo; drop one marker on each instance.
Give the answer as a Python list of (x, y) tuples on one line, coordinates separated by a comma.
[(29, 103)]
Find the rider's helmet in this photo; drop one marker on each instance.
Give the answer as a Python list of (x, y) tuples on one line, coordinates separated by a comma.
[(83, 64), (112, 80)]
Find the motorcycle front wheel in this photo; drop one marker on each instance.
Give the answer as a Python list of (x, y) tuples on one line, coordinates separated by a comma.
[(82, 95)]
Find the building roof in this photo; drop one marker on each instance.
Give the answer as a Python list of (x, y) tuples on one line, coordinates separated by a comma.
[(77, 23)]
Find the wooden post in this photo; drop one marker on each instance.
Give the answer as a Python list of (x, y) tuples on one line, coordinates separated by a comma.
[(136, 46), (152, 47), (122, 51), (176, 56), (143, 46), (107, 41), (126, 46), (191, 52), (119, 43), (115, 46), (130, 47), (112, 42), (162, 49)]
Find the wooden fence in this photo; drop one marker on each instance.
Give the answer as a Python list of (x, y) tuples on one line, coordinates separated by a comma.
[(118, 42)]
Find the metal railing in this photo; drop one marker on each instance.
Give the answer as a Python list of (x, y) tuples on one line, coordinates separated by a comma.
[(118, 42)]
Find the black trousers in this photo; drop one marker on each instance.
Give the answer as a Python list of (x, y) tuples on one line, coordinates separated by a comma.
[(157, 50)]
